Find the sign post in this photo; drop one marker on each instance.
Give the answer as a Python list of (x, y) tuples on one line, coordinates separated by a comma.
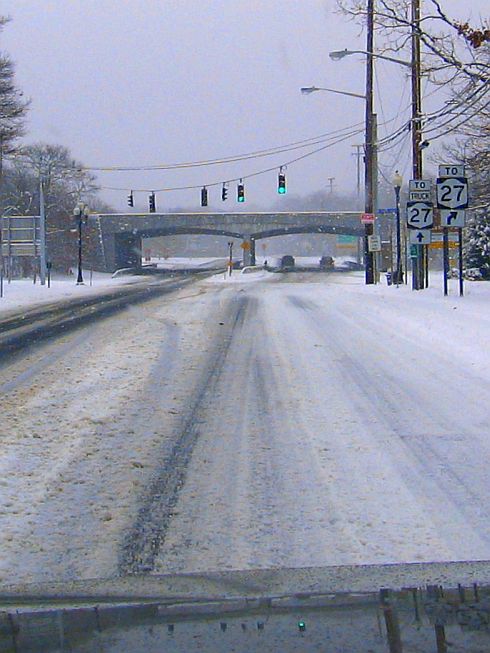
[(445, 256), (460, 251), (452, 199), (420, 190)]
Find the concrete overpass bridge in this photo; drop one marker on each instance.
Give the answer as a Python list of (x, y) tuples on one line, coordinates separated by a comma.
[(120, 234)]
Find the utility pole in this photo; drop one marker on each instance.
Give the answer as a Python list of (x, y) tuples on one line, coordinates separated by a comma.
[(358, 154), (418, 263), (369, 153)]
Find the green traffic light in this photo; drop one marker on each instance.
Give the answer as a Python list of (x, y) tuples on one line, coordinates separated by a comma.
[(241, 198), (281, 184), (301, 626)]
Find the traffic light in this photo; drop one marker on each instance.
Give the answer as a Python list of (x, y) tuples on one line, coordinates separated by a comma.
[(281, 183), (224, 193), (240, 192), (204, 196), (151, 202), (130, 199)]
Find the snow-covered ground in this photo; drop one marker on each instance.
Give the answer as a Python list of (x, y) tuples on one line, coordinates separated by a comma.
[(181, 262), (23, 293), (331, 423)]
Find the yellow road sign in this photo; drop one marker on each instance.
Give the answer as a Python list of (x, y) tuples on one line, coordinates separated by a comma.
[(438, 244)]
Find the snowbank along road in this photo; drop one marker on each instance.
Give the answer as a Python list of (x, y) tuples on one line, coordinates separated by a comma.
[(293, 420)]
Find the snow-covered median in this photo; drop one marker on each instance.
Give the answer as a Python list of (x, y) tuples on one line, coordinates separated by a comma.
[(242, 276), (23, 293)]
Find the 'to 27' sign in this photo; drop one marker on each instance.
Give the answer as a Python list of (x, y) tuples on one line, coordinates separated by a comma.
[(452, 192), (420, 215)]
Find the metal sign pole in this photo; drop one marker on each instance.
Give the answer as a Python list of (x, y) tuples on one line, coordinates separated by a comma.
[(405, 249), (426, 258), (9, 241), (445, 257), (460, 248)]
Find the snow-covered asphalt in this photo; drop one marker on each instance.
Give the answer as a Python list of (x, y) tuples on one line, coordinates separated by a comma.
[(289, 420)]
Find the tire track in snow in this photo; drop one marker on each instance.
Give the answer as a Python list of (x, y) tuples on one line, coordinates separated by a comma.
[(145, 540)]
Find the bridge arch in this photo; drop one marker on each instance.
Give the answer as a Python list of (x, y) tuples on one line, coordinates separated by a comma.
[(308, 229), (177, 231)]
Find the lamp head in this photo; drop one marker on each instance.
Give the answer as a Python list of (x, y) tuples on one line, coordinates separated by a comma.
[(397, 179), (339, 54), (306, 90)]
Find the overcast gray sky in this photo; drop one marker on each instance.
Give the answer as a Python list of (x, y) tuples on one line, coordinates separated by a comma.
[(144, 82)]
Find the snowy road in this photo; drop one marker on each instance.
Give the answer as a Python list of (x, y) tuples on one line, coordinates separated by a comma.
[(293, 420)]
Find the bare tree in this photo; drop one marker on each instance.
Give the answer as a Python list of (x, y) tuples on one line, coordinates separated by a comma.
[(65, 182), (450, 48)]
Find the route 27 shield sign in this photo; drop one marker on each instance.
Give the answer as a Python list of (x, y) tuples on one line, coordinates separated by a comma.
[(420, 215), (452, 192)]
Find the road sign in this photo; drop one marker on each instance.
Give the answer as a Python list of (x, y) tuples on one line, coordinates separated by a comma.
[(414, 251), (420, 215), (385, 211), (420, 184), (438, 236), (452, 192), (245, 245), (451, 170), (419, 190), (452, 218), (20, 235), (374, 243), (367, 218), (438, 244), (420, 237), (419, 195)]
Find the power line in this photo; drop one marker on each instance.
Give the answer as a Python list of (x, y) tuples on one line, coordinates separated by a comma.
[(314, 140), (249, 176)]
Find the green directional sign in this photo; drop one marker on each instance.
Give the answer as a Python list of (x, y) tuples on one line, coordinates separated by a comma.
[(346, 240)]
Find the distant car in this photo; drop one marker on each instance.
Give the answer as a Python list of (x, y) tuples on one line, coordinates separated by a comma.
[(327, 263), (287, 262), (351, 265)]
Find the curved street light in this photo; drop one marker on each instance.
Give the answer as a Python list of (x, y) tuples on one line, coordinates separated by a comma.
[(307, 90), (340, 54)]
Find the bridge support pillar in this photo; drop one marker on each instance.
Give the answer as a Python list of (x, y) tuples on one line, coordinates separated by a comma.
[(248, 246)]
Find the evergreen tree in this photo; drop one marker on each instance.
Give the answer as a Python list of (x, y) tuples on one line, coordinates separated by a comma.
[(13, 106), (477, 251)]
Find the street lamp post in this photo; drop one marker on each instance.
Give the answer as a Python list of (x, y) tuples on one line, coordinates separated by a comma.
[(397, 183), (370, 164), (81, 212), (419, 264)]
